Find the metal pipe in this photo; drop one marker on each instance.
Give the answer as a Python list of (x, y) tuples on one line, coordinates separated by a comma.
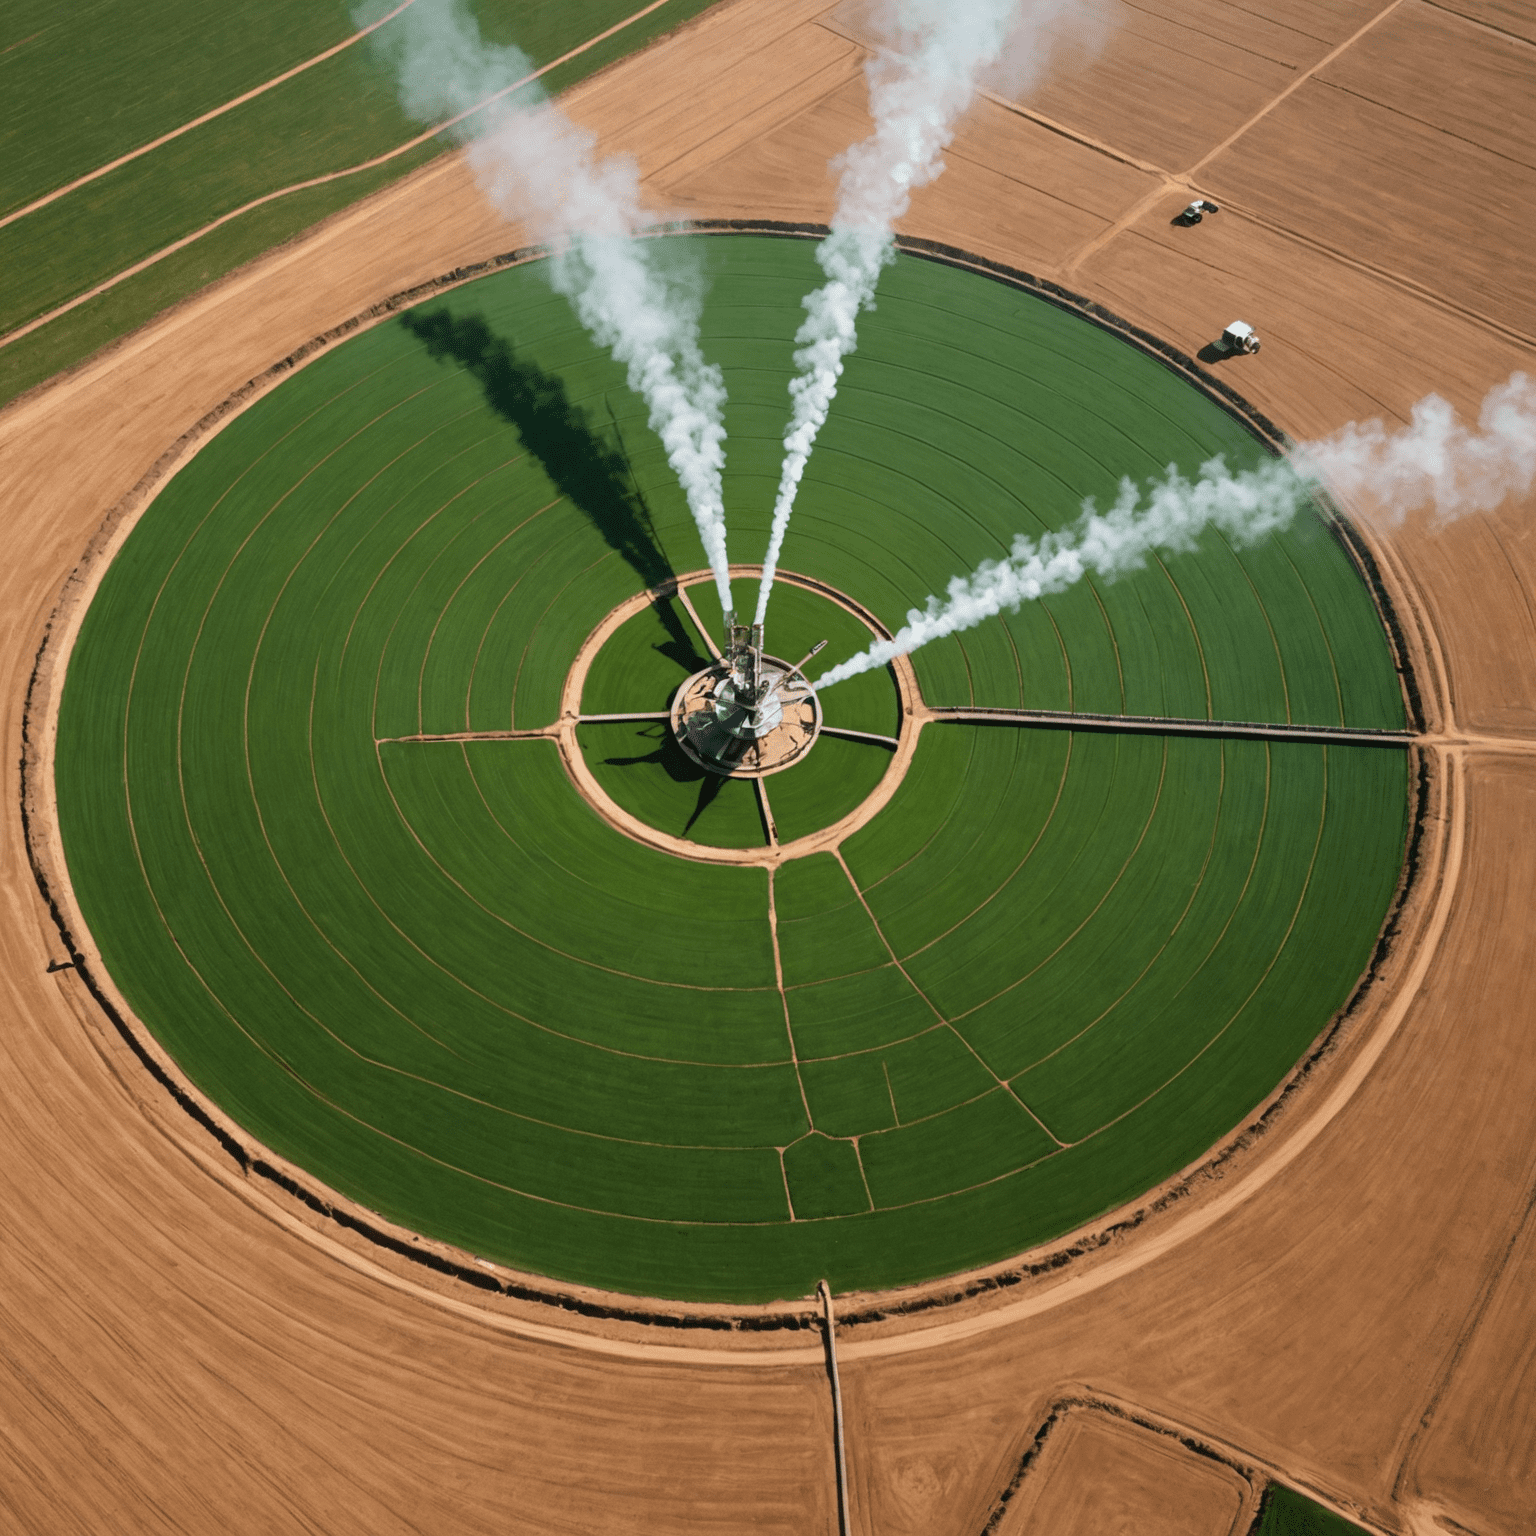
[(820, 645)]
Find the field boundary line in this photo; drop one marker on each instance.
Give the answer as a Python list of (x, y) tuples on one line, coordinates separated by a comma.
[(1421, 658), (207, 117), (1172, 725), (1488, 1291), (1201, 1442), (829, 1319), (506, 922), (1295, 85), (789, 1028), (1448, 11), (668, 176), (765, 807), (837, 853), (155, 257), (1173, 180), (698, 623)]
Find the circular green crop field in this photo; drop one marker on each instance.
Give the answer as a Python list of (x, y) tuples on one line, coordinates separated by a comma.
[(333, 865)]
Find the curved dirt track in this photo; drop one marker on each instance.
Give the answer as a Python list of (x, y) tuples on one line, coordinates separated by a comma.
[(184, 1351), (564, 733)]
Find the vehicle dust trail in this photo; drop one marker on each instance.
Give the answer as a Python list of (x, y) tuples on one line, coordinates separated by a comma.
[(1436, 464), (928, 64), (639, 299)]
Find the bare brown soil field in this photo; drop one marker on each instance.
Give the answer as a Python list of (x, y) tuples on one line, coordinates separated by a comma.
[(1097, 1474), (1504, 15), (1375, 147), (1343, 1302)]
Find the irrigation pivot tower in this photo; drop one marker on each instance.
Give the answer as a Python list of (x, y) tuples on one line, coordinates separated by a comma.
[(749, 714)]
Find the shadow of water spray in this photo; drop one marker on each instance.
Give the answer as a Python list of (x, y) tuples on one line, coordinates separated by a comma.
[(586, 468), (678, 766)]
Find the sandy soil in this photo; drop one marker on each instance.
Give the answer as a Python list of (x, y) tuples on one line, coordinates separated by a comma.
[(1344, 1302), (1375, 146)]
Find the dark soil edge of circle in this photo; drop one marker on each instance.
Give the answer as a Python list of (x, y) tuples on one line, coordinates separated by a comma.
[(589, 1302)]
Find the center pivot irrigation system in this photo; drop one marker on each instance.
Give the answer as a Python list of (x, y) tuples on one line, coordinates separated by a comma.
[(748, 714)]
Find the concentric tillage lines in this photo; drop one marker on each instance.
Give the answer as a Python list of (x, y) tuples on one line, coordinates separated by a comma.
[(266, 622), (322, 829)]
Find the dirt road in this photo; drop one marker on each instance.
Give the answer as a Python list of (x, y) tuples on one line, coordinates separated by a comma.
[(185, 1349)]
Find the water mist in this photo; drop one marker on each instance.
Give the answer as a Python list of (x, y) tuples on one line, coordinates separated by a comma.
[(931, 57), (536, 166), (1435, 463)]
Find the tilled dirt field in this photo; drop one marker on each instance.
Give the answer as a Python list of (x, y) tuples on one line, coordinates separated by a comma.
[(1340, 1303)]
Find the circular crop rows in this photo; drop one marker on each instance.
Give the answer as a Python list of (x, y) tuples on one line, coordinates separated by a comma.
[(321, 815)]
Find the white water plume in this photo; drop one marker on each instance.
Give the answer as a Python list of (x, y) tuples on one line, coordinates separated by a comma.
[(929, 58), (1436, 464), (535, 165)]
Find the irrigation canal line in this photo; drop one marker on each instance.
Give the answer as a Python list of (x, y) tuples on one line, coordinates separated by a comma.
[(1169, 725), (769, 825), (840, 730), (542, 733), (698, 623), (844, 1525), (639, 714)]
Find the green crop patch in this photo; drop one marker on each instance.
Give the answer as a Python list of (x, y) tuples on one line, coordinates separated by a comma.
[(1287, 1513), (824, 1178), (850, 1095), (824, 929), (87, 87), (321, 768)]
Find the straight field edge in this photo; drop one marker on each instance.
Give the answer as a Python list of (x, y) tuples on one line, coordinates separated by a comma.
[(581, 1309)]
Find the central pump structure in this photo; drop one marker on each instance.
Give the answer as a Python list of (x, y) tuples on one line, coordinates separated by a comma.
[(749, 714)]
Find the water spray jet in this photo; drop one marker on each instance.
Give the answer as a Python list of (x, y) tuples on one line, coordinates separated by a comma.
[(1436, 463), (923, 72), (538, 167)]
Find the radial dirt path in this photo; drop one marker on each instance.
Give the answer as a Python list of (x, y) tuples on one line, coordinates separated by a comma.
[(914, 715), (1335, 1303)]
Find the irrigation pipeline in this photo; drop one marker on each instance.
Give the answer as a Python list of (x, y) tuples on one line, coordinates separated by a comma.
[(844, 1526), (1164, 725)]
